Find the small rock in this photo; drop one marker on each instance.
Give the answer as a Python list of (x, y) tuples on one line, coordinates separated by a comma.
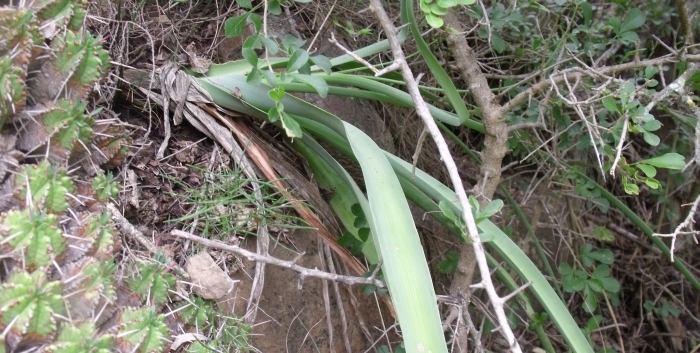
[(208, 280)]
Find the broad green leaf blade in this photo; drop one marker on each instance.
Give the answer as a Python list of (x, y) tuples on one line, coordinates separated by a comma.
[(668, 161), (404, 265), (508, 250)]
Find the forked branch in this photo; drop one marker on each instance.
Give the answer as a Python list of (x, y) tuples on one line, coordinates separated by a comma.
[(446, 157)]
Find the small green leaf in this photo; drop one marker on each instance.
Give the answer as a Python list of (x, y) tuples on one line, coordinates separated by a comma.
[(276, 94), (234, 26), (250, 56), (610, 284), (629, 37), (591, 301), (652, 183), (447, 211), (668, 161), (491, 209), (603, 234), (615, 23), (498, 43), (274, 7), (256, 20), (647, 169), (297, 60), (318, 84), (650, 71), (322, 62), (434, 21), (438, 10), (449, 264), (270, 45), (270, 77), (630, 188), (446, 3), (633, 20), (587, 10), (246, 4), (565, 269), (652, 125), (604, 256), (291, 126), (610, 104), (651, 138), (292, 43), (254, 77)]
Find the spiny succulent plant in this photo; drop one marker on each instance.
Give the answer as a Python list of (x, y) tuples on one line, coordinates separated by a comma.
[(58, 279), (60, 287)]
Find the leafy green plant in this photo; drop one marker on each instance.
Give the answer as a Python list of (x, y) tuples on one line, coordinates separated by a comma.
[(663, 311), (593, 280), (151, 283)]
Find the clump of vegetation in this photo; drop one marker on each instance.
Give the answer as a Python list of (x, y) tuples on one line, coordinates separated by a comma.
[(59, 282)]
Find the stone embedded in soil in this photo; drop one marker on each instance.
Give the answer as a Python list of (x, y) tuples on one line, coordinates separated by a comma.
[(208, 280)]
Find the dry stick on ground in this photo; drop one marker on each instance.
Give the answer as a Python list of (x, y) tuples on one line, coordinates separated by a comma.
[(424, 114), (291, 265)]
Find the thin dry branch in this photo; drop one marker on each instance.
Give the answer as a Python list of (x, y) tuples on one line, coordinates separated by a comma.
[(291, 265), (445, 154), (577, 74), (688, 223)]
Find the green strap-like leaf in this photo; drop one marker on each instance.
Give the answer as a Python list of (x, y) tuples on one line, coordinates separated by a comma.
[(403, 260)]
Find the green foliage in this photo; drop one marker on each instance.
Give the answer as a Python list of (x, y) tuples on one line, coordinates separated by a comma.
[(291, 127), (67, 123), (435, 9), (31, 304), (143, 330), (625, 29), (663, 311), (12, 93), (591, 284), (35, 234), (151, 283), (449, 264), (80, 58), (356, 242), (105, 186), (46, 185), (81, 338), (349, 28)]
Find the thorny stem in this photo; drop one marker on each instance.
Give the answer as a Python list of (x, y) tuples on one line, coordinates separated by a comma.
[(446, 157)]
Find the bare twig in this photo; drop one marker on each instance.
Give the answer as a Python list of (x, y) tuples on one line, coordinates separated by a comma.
[(303, 271), (445, 154), (134, 234), (686, 224)]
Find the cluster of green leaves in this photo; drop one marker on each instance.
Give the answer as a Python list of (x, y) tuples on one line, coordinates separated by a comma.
[(81, 58), (32, 303), (56, 250), (435, 9), (226, 332), (593, 279), (151, 282), (20, 34), (663, 311), (625, 28)]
